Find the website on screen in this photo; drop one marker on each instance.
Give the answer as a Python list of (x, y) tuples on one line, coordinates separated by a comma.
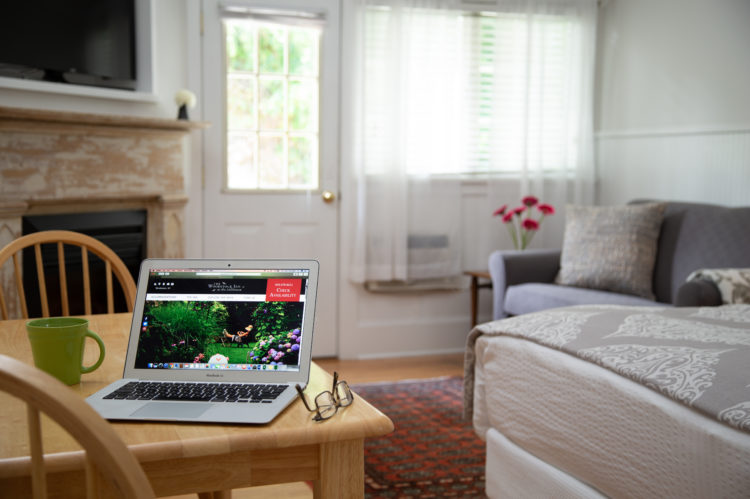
[(210, 319)]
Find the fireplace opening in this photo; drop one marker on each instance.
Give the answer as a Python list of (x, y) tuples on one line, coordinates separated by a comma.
[(123, 231)]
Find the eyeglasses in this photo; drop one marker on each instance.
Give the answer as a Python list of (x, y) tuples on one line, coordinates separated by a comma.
[(327, 403)]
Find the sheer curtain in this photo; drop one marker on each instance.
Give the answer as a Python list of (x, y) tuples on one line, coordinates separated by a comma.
[(440, 91)]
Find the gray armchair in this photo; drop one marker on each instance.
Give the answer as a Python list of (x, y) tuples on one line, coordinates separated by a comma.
[(693, 236)]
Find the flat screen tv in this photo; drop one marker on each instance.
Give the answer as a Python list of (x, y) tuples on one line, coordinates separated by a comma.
[(84, 42)]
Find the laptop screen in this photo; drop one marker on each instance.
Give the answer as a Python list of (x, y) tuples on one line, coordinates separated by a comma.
[(248, 319)]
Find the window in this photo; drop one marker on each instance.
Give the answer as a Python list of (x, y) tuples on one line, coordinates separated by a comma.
[(272, 92), (473, 92)]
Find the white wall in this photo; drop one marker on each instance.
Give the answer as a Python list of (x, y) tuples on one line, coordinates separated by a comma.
[(673, 109)]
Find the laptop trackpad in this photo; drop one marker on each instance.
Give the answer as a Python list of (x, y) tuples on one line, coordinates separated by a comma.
[(167, 410)]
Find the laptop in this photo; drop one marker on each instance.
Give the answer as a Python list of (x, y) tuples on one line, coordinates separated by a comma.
[(219, 341)]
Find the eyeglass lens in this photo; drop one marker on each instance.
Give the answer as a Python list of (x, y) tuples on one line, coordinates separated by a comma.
[(343, 394), (326, 405)]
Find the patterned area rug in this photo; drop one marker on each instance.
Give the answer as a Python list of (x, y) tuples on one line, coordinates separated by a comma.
[(433, 452)]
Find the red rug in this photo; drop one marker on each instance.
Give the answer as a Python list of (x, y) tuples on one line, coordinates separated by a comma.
[(433, 452)]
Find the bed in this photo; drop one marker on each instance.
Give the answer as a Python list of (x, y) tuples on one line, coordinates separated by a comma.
[(593, 401)]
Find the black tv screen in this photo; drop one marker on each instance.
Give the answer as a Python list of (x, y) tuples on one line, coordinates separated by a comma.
[(86, 42)]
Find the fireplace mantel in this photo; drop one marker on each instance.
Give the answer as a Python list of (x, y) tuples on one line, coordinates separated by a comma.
[(24, 119), (66, 162)]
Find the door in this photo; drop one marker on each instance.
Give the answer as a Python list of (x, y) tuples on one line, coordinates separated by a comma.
[(270, 86)]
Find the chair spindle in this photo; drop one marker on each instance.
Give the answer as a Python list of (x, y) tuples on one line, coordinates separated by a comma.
[(63, 279), (86, 283), (42, 280), (38, 477), (19, 285), (110, 292)]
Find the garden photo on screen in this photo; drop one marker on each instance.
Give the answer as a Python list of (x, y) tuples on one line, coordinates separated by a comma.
[(245, 333)]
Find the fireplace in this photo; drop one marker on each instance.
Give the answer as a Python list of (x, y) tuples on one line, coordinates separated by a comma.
[(61, 163)]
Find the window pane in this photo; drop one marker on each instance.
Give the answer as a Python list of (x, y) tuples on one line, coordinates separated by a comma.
[(301, 162), (271, 50), (240, 46), (271, 104), (241, 102), (303, 56), (302, 100), (242, 169), (271, 160)]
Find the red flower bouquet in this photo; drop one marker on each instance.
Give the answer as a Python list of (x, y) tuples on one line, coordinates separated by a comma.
[(520, 221)]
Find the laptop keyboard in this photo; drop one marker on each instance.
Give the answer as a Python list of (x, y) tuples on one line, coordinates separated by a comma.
[(197, 392)]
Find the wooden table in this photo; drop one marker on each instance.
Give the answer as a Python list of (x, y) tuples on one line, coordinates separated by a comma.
[(184, 458), (475, 287)]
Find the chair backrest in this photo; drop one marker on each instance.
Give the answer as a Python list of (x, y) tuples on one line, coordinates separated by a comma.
[(108, 460), (698, 236), (113, 265)]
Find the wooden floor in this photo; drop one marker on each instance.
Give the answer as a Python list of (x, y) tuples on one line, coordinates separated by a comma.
[(363, 371), (394, 368)]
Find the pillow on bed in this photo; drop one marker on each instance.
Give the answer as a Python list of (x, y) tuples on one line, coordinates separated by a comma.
[(611, 248), (733, 284)]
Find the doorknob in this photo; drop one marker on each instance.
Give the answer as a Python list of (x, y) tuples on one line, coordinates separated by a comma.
[(328, 197)]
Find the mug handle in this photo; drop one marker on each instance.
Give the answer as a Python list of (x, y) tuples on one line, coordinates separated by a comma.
[(91, 334)]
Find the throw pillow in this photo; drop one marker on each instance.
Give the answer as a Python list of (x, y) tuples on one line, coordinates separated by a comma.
[(733, 284), (611, 248)]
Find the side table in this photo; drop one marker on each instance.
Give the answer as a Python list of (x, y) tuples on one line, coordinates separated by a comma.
[(475, 286)]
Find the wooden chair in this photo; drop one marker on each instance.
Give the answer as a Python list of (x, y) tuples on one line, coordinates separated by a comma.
[(110, 466), (113, 264)]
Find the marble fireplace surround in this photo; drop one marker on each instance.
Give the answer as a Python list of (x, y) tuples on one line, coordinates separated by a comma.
[(55, 162)]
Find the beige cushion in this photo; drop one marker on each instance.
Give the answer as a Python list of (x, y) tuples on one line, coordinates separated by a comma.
[(611, 248)]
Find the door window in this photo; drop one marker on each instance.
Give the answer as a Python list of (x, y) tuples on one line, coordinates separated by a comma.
[(272, 101)]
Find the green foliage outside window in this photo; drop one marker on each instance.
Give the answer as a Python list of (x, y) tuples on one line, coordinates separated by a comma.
[(272, 93), (271, 50), (240, 48)]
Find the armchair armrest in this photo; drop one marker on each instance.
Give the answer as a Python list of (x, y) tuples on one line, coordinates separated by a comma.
[(698, 293), (508, 268)]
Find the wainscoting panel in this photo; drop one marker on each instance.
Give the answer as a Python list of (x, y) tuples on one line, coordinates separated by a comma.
[(709, 165)]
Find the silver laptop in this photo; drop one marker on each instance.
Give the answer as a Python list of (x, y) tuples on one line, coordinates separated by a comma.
[(221, 341)]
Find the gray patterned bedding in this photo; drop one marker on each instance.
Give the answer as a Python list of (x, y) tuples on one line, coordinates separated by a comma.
[(699, 357)]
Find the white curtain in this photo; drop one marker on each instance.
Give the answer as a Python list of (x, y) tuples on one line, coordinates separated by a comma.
[(441, 91)]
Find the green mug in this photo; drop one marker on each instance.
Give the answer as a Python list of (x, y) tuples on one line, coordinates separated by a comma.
[(57, 345)]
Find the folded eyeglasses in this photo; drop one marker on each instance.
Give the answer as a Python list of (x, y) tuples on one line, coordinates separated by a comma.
[(327, 403)]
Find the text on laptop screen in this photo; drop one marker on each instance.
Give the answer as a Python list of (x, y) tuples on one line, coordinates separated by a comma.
[(223, 319)]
